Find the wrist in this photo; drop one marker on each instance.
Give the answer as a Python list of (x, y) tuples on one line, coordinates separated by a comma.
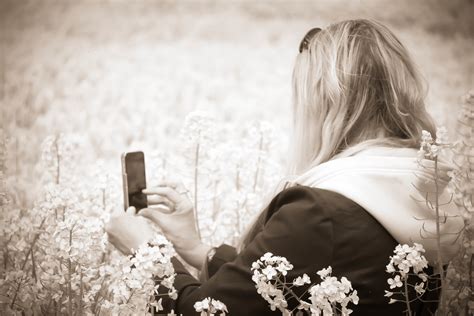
[(198, 255)]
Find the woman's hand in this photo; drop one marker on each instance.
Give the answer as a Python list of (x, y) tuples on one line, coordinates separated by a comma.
[(127, 231), (176, 220)]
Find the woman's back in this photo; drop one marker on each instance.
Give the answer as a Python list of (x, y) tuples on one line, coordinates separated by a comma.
[(314, 229)]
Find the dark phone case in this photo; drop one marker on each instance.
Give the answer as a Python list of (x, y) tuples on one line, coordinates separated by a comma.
[(134, 180)]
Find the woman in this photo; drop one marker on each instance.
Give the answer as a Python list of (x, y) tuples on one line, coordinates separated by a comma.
[(358, 117)]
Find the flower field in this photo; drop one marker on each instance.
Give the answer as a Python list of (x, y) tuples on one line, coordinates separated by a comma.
[(204, 89)]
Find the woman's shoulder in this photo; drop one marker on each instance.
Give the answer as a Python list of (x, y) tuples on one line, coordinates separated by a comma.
[(321, 228), (313, 199), (305, 210)]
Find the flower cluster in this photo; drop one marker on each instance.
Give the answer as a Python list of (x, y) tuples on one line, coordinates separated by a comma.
[(266, 275), (227, 169), (331, 293), (44, 94), (430, 148), (407, 261), (56, 256), (58, 153), (146, 271), (330, 297), (210, 307), (458, 280)]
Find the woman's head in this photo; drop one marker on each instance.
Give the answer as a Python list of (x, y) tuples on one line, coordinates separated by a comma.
[(354, 85)]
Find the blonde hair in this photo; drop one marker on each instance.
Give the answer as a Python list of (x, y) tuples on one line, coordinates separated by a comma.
[(354, 87)]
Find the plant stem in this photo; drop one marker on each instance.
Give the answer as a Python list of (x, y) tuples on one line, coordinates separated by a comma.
[(196, 176), (17, 161), (466, 307), (25, 261), (260, 147), (104, 205), (438, 235), (95, 305), (288, 289), (81, 293), (214, 201), (6, 257), (130, 297), (69, 268), (407, 301), (58, 159), (237, 179), (33, 266)]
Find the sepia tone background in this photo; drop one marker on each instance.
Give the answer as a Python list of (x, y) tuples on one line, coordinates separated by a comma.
[(124, 74)]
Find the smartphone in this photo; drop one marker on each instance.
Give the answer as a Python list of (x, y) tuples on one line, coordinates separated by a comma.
[(134, 180)]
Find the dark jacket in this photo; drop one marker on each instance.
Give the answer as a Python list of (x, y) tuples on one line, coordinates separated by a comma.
[(313, 229)]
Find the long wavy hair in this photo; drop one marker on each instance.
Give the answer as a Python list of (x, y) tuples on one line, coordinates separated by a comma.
[(354, 87)]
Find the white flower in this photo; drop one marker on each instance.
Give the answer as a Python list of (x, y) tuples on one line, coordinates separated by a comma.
[(325, 272), (269, 272), (430, 148), (330, 291), (395, 282), (442, 135), (299, 281), (420, 288), (408, 260), (202, 305), (218, 305), (304, 305), (390, 268), (210, 306)]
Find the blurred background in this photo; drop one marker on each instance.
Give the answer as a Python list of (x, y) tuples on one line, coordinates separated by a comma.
[(124, 74)]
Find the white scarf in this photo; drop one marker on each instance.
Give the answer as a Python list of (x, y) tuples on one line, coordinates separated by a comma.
[(388, 184)]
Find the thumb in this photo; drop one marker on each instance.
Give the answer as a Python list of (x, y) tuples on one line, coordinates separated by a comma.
[(131, 210), (150, 213)]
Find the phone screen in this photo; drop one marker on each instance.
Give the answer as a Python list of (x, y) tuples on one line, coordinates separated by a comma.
[(135, 178)]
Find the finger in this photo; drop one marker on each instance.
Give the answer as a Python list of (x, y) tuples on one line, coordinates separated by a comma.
[(157, 199), (169, 183), (162, 208), (164, 204), (150, 213), (156, 214), (167, 192), (131, 210), (174, 184)]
